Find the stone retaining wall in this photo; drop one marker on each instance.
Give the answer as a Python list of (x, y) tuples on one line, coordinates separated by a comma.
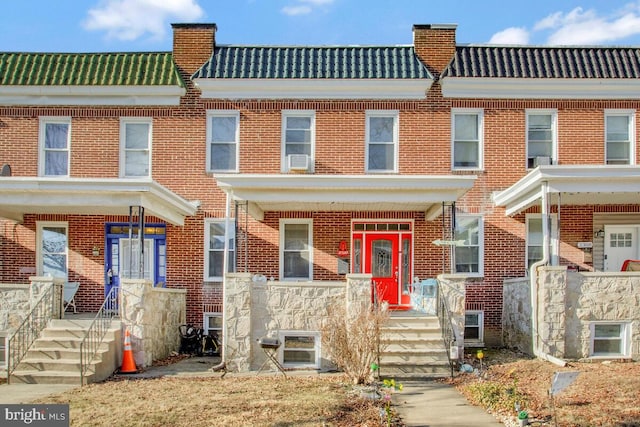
[(453, 291), (14, 305), (516, 314)]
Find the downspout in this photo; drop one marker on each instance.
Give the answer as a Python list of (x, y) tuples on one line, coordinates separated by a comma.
[(225, 266), (533, 277)]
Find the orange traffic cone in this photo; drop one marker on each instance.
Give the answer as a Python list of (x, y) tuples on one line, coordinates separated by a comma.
[(128, 364)]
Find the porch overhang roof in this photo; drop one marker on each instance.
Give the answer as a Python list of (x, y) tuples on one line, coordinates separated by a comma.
[(89, 196), (573, 185), (344, 193)]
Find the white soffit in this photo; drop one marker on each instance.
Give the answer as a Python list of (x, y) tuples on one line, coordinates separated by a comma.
[(518, 88), (573, 185), (336, 193), (313, 88), (85, 196), (91, 95)]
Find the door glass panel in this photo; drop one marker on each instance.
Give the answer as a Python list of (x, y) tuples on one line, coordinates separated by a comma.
[(381, 258), (357, 256), (406, 256)]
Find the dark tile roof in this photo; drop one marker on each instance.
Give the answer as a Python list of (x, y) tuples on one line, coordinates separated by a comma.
[(345, 62), (545, 62), (80, 69)]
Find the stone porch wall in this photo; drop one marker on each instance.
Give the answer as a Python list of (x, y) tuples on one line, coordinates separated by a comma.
[(453, 290), (153, 316), (567, 304), (17, 300), (257, 309)]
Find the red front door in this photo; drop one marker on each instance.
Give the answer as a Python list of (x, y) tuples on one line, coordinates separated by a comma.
[(381, 260)]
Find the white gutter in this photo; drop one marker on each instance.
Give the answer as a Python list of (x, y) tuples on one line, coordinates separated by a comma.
[(533, 277)]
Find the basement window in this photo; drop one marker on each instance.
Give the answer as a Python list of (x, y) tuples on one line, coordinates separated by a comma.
[(474, 327), (610, 339), (299, 349), (3, 349)]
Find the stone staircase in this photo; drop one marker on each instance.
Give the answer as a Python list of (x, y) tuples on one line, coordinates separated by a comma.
[(413, 348), (54, 358)]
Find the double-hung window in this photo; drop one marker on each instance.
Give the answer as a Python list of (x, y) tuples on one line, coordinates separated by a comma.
[(535, 239), (468, 253), (619, 137), (296, 254), (467, 136), (541, 138), (55, 143), (52, 251), (298, 135), (135, 147), (474, 325), (214, 249), (223, 135), (382, 141)]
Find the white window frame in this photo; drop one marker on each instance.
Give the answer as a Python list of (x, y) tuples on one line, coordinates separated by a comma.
[(631, 115), (43, 122), (205, 323), (625, 339), (554, 133), (207, 249), (283, 223), (40, 225), (317, 348), (480, 326), (480, 118), (223, 113), (553, 239), (3, 349), (480, 246), (394, 114), (286, 114), (124, 121)]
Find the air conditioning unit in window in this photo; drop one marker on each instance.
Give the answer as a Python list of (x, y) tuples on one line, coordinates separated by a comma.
[(298, 162), (541, 161)]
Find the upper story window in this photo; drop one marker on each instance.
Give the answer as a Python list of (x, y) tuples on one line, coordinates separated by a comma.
[(223, 136), (298, 139), (135, 147), (467, 135), (295, 249), (52, 250), (541, 138), (382, 141), (55, 143), (469, 254), (619, 137), (214, 234)]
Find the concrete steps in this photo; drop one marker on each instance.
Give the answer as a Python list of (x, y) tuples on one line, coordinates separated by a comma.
[(54, 358), (413, 348)]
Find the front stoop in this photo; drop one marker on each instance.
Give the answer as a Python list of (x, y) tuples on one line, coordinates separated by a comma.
[(54, 358), (413, 348)]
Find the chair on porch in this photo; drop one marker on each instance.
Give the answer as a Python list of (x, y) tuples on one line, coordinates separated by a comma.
[(70, 289)]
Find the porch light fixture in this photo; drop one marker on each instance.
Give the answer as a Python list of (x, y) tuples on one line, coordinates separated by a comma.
[(599, 233), (95, 251)]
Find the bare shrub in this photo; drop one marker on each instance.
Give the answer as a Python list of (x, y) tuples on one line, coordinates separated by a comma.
[(353, 340)]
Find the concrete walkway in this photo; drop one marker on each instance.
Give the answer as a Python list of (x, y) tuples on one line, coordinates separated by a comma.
[(435, 404)]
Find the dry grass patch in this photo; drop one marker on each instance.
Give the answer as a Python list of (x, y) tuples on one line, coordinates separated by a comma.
[(237, 401)]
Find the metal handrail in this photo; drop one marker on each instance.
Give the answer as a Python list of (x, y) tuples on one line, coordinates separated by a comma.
[(30, 329), (97, 331), (446, 325)]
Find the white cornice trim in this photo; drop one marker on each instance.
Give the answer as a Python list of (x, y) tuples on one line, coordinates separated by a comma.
[(313, 88), (518, 88), (91, 95)]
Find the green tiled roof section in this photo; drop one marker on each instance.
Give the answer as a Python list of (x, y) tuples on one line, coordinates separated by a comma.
[(343, 62), (88, 69)]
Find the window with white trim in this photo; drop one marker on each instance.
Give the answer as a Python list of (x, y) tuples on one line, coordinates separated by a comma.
[(541, 137), (223, 136), (299, 349), (3, 349), (467, 139), (619, 137), (55, 145), (382, 141), (534, 239), (468, 254), (296, 261), (52, 251), (213, 324), (610, 339), (214, 231), (135, 147), (298, 134), (474, 325)]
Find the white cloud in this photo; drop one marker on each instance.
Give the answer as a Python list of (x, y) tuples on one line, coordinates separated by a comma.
[(132, 19), (513, 35), (305, 7)]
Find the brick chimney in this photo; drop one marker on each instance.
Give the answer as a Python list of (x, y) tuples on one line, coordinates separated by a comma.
[(193, 45), (435, 45)]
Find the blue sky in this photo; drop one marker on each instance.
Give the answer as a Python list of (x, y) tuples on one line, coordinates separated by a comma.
[(143, 25)]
